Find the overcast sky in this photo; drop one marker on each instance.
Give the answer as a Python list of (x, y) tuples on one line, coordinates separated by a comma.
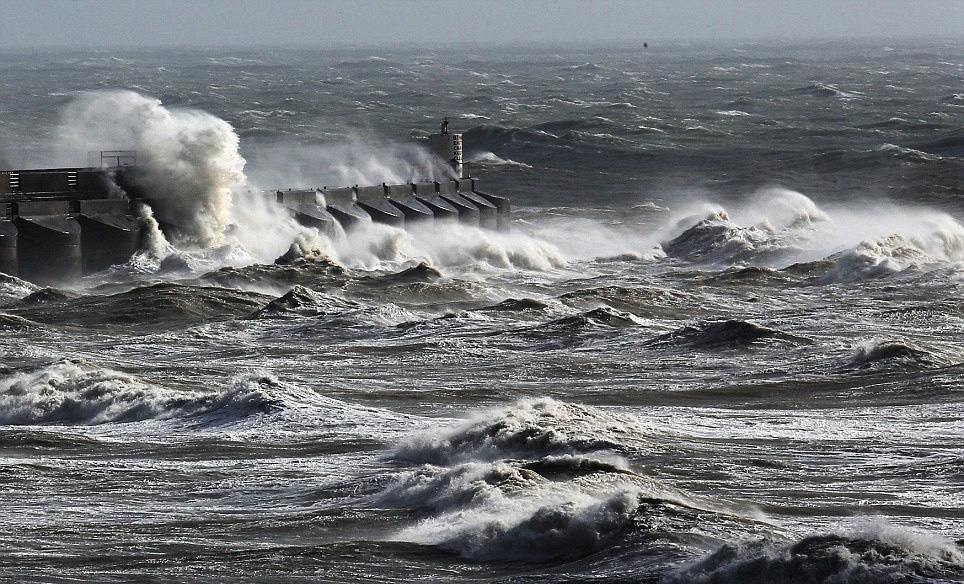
[(121, 23)]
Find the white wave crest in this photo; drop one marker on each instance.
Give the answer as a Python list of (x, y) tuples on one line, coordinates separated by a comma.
[(777, 227), (868, 555), (372, 245), (72, 392), (530, 427), (13, 288), (492, 159), (531, 529)]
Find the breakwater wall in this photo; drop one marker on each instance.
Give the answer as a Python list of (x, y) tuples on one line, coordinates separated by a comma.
[(60, 224), (57, 225), (459, 200)]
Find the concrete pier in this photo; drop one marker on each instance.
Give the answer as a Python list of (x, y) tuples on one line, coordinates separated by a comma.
[(76, 222), (488, 213), (48, 242), (427, 194), (59, 224), (108, 234), (374, 201), (340, 203), (403, 205), (308, 207), (9, 264), (403, 198)]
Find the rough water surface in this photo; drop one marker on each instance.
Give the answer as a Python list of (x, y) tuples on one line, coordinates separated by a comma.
[(722, 342)]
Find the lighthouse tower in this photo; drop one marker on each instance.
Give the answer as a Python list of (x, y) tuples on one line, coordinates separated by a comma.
[(448, 147)]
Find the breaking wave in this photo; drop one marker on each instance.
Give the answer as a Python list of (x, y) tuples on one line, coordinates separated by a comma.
[(535, 481), (454, 245), (491, 159), (775, 224), (777, 228), (940, 242), (877, 353), (871, 556), (75, 392), (530, 428), (13, 288), (189, 159), (568, 528)]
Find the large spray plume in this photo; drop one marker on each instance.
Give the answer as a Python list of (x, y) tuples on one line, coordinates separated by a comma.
[(189, 159)]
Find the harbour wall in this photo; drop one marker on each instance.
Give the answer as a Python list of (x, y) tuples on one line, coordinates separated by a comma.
[(57, 225), (460, 200)]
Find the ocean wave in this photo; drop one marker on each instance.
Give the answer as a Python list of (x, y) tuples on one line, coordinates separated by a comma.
[(571, 331), (577, 135), (569, 528), (600, 316), (827, 90), (871, 556), (953, 98), (908, 154), (303, 301), (78, 393), (536, 481), (569, 466), (13, 288), (717, 239), (773, 224), (728, 333), (938, 243), (879, 353), (516, 305), (45, 295), (309, 270), (532, 482), (490, 159), (749, 275), (150, 307), (595, 138), (374, 246), (952, 145), (641, 301), (532, 428), (14, 322), (442, 488), (849, 160), (421, 272), (780, 229), (490, 136)]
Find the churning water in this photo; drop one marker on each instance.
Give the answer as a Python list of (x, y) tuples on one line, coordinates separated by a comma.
[(722, 342)]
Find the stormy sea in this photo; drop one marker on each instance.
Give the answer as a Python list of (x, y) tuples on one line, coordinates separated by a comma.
[(723, 340)]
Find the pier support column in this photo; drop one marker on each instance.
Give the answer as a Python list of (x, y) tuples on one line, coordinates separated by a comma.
[(8, 248), (48, 242)]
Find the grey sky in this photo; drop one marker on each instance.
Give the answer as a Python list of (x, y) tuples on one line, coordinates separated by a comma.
[(116, 23)]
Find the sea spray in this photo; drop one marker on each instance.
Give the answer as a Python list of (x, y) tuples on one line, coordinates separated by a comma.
[(359, 160), (188, 160), (777, 227)]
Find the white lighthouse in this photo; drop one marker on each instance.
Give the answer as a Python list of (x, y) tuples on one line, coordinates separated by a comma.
[(448, 147)]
